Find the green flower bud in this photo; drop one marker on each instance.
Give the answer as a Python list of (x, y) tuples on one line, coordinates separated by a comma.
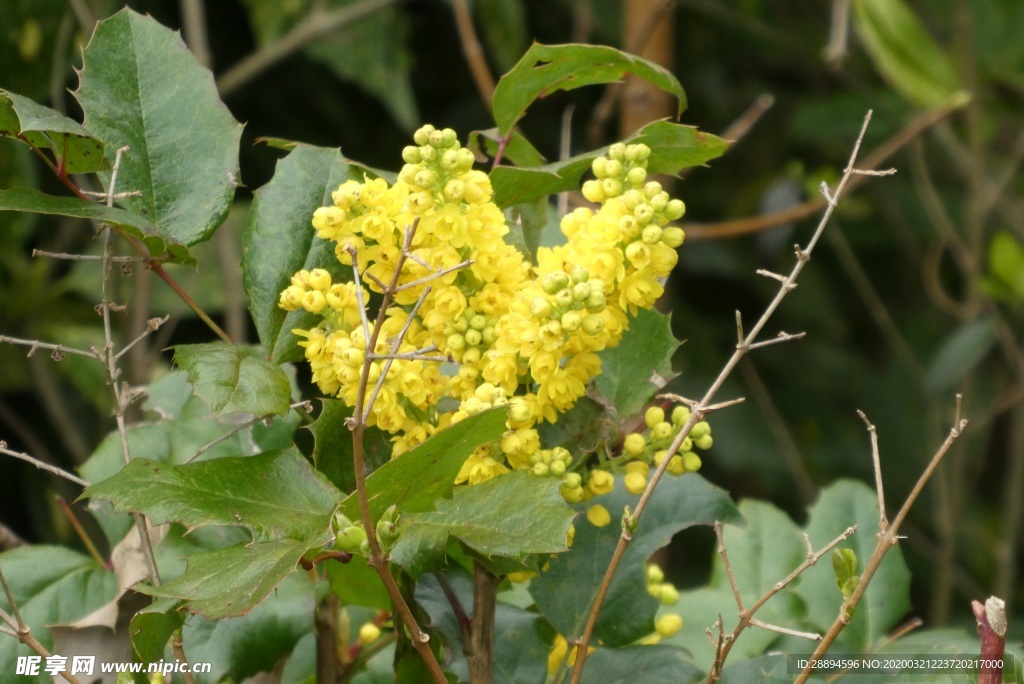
[(636, 176), (350, 539), (612, 187), (456, 342), (700, 429), (579, 274), (563, 298), (428, 153), (411, 154), (595, 303), (436, 139), (462, 325), (540, 307), (669, 595), (478, 322), (662, 431), (592, 325), (651, 234), (680, 414), (675, 210), (599, 167), (643, 152), (572, 480), (593, 191), (553, 282), (668, 624), (539, 469), (691, 462), (449, 160), (652, 189), (449, 138), (471, 356), (659, 202), (571, 494), (703, 442), (686, 444), (613, 169), (473, 337), (631, 153), (655, 575), (519, 412), (676, 466), (425, 178), (580, 292), (634, 444), (643, 213), (631, 198), (454, 190), (421, 136), (617, 151), (672, 236), (488, 335), (557, 468), (571, 321)]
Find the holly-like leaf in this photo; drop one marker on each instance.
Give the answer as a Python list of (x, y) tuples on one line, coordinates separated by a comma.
[(74, 149), (674, 147), (51, 585), (141, 87), (905, 54), (279, 240), (886, 600), (426, 473), (37, 202), (565, 591), (626, 370), (276, 494), (545, 69), (510, 516), (232, 581), (654, 664), (235, 379)]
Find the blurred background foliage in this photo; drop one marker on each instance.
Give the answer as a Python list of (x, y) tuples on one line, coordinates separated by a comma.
[(918, 294)]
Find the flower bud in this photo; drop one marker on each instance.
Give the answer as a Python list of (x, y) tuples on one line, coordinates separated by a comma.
[(617, 151), (291, 298), (436, 139), (669, 595), (655, 575), (540, 469), (579, 274), (653, 416), (661, 432), (600, 166), (659, 202), (675, 210), (595, 303), (572, 480), (540, 307), (612, 187), (668, 624), (472, 337), (425, 178), (421, 136), (652, 189), (478, 322), (456, 342), (580, 292), (314, 301), (350, 539), (636, 176), (676, 466), (700, 429), (643, 213), (592, 325), (471, 356), (411, 154), (635, 483), (454, 190), (551, 283), (613, 169), (369, 633), (651, 234), (600, 482), (571, 321), (672, 236), (704, 442), (449, 160), (557, 468), (634, 444), (680, 414), (598, 516), (691, 462), (593, 191)]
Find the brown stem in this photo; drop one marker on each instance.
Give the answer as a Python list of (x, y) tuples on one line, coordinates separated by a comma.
[(485, 600), (473, 51), (328, 666), (991, 619)]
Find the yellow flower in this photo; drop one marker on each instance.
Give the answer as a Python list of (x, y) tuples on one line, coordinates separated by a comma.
[(480, 467)]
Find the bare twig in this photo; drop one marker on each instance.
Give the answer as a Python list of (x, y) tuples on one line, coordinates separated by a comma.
[(473, 51), (241, 426), (58, 350), (152, 325), (59, 472), (886, 540), (876, 460), (20, 631), (698, 412), (317, 23)]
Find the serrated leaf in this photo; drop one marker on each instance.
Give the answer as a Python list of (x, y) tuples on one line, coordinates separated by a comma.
[(139, 227), (545, 69), (581, 429), (140, 86), (886, 600), (426, 473), (653, 664), (510, 516), (74, 149), (566, 590), (626, 370), (231, 582), (904, 53), (275, 494), (240, 648), (235, 379), (960, 354), (279, 240), (674, 147), (51, 585)]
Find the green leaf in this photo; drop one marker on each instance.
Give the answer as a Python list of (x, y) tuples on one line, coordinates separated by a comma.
[(503, 24), (426, 473), (768, 548), (626, 370), (72, 146), (545, 69), (37, 202), (510, 516), (581, 429), (151, 628), (674, 147), (51, 585), (886, 600), (566, 590), (235, 379), (522, 637), (231, 582), (275, 494), (141, 87), (240, 648), (844, 563), (960, 354), (279, 240), (332, 449), (904, 53), (357, 584), (768, 669), (653, 664)]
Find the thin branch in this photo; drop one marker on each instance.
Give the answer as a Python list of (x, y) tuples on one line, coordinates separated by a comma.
[(152, 325), (473, 51), (316, 24), (80, 531), (120, 401), (193, 26), (886, 540), (59, 472), (876, 460), (697, 414), (813, 636), (241, 426), (88, 257), (739, 128), (877, 157), (57, 349), (20, 631)]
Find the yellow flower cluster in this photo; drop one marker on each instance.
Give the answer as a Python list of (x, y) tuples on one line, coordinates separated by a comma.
[(522, 335)]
